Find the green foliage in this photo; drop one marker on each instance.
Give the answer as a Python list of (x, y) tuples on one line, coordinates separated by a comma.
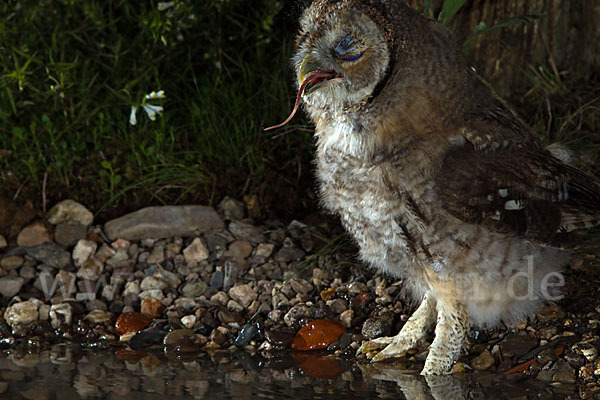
[(449, 10), (71, 71)]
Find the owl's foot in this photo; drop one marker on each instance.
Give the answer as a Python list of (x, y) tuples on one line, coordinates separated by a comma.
[(412, 332), (450, 336)]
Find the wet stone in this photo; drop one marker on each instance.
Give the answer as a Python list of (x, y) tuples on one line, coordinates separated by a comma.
[(34, 234), (70, 211), (179, 336), (318, 334), (564, 372), (147, 338), (248, 332), (517, 345), (99, 317), (483, 361), (131, 322), (50, 254), (376, 327), (21, 313), (295, 314), (61, 314)]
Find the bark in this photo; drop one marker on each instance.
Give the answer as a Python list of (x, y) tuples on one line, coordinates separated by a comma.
[(566, 41)]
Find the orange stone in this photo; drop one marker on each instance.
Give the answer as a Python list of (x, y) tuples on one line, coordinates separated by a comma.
[(318, 334), (131, 322), (317, 366), (328, 294), (152, 307)]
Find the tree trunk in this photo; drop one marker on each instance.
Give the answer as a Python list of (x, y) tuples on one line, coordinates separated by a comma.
[(564, 42)]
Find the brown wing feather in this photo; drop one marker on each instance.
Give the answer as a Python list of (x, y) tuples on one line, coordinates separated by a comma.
[(518, 190)]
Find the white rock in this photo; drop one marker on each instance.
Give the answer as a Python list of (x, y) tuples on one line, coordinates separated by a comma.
[(346, 318), (70, 211), (99, 317), (21, 313), (132, 287), (61, 314), (152, 283), (243, 294), (188, 321), (233, 305), (195, 252), (156, 293), (264, 249), (91, 270), (83, 250)]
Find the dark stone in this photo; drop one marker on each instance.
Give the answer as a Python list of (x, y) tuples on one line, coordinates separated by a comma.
[(280, 338), (146, 339), (248, 332), (50, 254), (216, 280), (67, 235)]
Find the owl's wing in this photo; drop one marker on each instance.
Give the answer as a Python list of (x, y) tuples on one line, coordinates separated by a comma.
[(521, 190)]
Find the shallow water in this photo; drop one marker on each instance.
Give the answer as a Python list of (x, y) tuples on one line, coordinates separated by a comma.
[(66, 371)]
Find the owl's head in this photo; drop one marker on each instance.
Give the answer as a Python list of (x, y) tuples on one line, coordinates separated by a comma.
[(342, 55), (351, 54)]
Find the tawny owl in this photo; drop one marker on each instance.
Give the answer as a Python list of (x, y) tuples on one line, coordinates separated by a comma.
[(437, 186)]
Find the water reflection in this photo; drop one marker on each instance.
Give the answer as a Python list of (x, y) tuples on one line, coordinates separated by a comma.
[(67, 372)]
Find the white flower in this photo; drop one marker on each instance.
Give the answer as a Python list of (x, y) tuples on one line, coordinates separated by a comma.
[(132, 117), (152, 111), (155, 95), (163, 5)]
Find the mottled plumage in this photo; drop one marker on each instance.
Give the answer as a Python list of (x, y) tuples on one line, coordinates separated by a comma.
[(436, 186)]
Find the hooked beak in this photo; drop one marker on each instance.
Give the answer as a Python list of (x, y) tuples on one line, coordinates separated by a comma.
[(316, 76)]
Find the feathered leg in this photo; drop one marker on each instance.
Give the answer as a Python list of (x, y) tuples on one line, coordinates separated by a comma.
[(450, 336)]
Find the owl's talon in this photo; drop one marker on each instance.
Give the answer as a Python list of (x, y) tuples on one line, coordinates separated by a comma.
[(413, 331), (375, 344)]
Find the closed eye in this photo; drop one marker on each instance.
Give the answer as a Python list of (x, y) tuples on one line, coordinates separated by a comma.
[(347, 50)]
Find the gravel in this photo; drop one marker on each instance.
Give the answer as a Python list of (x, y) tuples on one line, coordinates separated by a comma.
[(214, 280)]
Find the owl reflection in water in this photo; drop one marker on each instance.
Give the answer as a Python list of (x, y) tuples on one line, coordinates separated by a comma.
[(437, 186)]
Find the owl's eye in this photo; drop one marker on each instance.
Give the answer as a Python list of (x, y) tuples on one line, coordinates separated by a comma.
[(346, 50)]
